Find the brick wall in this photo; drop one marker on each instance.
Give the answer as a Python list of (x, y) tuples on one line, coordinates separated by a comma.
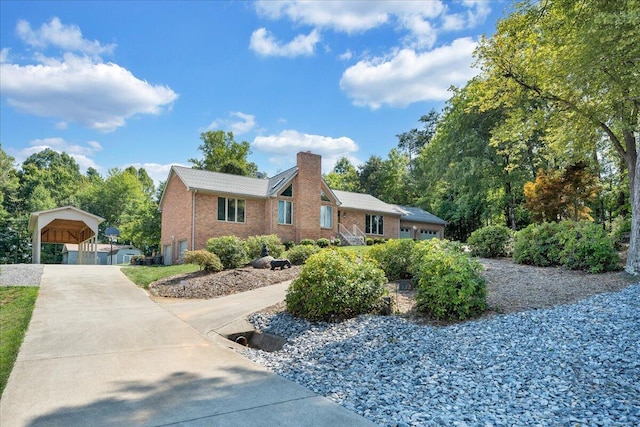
[(391, 225), (176, 216), (306, 196), (208, 225)]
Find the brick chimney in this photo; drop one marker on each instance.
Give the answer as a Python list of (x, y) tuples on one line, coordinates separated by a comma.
[(307, 196)]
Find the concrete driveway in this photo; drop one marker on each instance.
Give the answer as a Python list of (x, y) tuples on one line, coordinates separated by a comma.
[(100, 352)]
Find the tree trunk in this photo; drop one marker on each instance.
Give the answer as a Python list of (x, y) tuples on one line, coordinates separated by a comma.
[(633, 146)]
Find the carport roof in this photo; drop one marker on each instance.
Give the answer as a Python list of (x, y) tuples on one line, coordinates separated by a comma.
[(67, 224)]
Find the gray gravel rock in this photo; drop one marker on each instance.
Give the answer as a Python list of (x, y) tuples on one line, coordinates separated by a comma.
[(21, 274), (571, 365)]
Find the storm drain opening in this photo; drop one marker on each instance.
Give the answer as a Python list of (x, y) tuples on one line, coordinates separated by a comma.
[(259, 340)]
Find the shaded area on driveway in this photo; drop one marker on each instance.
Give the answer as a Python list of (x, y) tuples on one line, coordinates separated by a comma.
[(100, 352)]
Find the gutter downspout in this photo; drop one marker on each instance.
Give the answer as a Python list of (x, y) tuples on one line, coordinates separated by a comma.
[(193, 220)]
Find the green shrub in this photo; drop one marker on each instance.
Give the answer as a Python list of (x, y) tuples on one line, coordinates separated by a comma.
[(490, 242), (230, 250), (379, 240), (307, 242), (336, 242), (289, 244), (323, 243), (206, 260), (369, 241), (299, 254), (537, 245), (449, 282), (253, 245), (586, 246), (394, 258), (335, 285), (620, 230)]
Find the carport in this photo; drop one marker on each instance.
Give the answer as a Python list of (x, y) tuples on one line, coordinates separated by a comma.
[(67, 224)]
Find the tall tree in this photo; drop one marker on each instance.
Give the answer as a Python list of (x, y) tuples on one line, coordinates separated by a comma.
[(9, 183), (59, 173), (223, 154), (580, 58), (344, 176), (370, 175), (413, 140)]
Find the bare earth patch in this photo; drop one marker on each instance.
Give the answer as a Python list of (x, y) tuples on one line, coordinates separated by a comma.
[(510, 287), (203, 285)]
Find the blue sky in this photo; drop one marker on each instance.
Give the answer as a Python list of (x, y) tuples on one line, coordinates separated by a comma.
[(135, 83)]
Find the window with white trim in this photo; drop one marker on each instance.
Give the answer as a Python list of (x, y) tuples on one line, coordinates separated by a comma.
[(285, 212), (374, 224), (326, 216), (231, 210)]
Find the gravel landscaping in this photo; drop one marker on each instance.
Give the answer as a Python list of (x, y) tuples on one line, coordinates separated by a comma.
[(21, 274), (556, 348), (571, 365)]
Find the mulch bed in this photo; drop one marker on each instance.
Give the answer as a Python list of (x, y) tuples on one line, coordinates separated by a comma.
[(510, 287)]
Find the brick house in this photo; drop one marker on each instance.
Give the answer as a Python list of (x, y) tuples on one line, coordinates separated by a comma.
[(295, 204)]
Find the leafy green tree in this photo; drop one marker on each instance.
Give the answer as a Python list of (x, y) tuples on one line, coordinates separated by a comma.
[(413, 140), (395, 182), (370, 175), (466, 177), (223, 154), (9, 183), (580, 60), (344, 176), (59, 173)]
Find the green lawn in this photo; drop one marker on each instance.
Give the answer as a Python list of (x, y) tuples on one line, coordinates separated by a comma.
[(142, 275), (16, 306), (357, 250)]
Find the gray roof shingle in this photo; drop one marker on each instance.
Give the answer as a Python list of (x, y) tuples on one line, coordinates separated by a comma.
[(419, 215), (215, 182), (364, 202)]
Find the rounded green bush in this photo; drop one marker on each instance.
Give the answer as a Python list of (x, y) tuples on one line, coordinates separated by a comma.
[(449, 282), (490, 242), (537, 245), (300, 253), (334, 285), (307, 242), (323, 243), (369, 241), (394, 258), (289, 244), (206, 260), (586, 246), (230, 249), (253, 245)]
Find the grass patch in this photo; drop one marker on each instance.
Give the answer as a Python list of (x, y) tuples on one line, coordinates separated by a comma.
[(16, 306), (356, 250), (143, 275)]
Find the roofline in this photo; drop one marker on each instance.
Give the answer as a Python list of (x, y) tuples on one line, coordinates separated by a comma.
[(34, 215)]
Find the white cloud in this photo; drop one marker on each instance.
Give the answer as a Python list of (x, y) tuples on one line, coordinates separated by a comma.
[(246, 123), (347, 55), (265, 44), (476, 12), (66, 37), (289, 142), (346, 16), (77, 89), (81, 153), (4, 54), (408, 76)]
